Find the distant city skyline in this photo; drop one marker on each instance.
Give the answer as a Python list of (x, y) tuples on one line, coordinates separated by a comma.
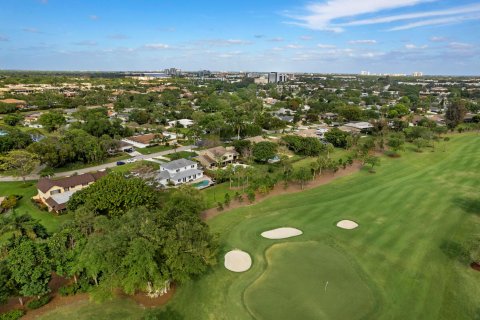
[(434, 37)]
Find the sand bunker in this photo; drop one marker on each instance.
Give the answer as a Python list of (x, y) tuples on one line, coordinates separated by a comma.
[(281, 233), (238, 261), (347, 224)]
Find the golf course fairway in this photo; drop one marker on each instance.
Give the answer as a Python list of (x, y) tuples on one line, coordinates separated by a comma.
[(323, 285)]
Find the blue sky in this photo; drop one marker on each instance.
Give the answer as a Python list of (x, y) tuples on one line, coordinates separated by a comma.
[(347, 36)]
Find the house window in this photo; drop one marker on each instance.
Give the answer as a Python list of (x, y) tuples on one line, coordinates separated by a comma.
[(67, 188), (193, 166), (177, 170), (55, 191)]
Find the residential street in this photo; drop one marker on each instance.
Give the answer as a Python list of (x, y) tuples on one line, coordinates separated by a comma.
[(99, 167)]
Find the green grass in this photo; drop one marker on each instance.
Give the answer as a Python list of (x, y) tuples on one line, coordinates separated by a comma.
[(85, 310), (417, 215), (131, 166), (25, 205), (215, 194), (155, 149), (324, 285), (181, 154), (80, 165)]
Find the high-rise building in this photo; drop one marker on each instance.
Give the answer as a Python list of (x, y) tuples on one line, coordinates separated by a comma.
[(365, 73), (417, 74), (282, 77), (172, 71), (272, 77)]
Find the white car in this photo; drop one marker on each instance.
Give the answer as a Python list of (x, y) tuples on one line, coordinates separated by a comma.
[(131, 160)]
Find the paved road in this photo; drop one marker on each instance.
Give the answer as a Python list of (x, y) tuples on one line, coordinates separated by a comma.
[(99, 167)]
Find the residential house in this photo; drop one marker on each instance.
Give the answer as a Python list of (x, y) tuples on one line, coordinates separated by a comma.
[(218, 156), (144, 140), (178, 172), (55, 193), (183, 122)]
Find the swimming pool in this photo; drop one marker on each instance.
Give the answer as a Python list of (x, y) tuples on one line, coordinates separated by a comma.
[(202, 184)]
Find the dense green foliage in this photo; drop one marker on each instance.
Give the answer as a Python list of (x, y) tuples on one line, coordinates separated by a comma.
[(114, 195)]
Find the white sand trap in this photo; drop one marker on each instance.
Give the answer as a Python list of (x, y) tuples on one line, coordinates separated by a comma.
[(347, 224), (238, 261), (281, 233)]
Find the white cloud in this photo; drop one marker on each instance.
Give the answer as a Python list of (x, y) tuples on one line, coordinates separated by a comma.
[(157, 46), (412, 46), (31, 30), (322, 16), (118, 36), (237, 41), (276, 39), (331, 15), (293, 46), (438, 39), (460, 45), (94, 17), (305, 38), (363, 42), (89, 43), (416, 15), (436, 22), (326, 46)]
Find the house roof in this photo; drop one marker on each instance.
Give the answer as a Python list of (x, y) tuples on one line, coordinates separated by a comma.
[(220, 151), (205, 159), (46, 184), (144, 138), (62, 198), (178, 175), (177, 164)]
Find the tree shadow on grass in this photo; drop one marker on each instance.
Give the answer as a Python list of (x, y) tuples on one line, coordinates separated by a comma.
[(456, 251), (163, 314), (469, 205)]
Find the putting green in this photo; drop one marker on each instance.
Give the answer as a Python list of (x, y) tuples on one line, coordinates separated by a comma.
[(321, 284)]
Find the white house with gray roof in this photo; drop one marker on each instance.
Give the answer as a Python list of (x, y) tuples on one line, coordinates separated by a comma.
[(178, 172)]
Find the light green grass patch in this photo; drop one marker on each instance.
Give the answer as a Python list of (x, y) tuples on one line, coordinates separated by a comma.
[(308, 280)]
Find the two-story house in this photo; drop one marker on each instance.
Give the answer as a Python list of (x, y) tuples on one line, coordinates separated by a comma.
[(217, 157), (55, 193), (178, 172)]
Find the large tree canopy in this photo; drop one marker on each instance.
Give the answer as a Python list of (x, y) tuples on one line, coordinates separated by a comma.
[(114, 195)]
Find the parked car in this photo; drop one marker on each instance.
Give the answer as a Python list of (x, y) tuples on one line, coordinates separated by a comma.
[(120, 163), (132, 160)]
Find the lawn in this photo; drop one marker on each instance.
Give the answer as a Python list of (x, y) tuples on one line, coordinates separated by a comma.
[(78, 166), (83, 310), (407, 259), (155, 149), (25, 205), (128, 167), (215, 194), (181, 154)]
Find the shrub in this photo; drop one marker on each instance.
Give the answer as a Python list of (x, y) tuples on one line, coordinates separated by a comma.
[(251, 196), (220, 206), (12, 315), (68, 290), (35, 304)]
